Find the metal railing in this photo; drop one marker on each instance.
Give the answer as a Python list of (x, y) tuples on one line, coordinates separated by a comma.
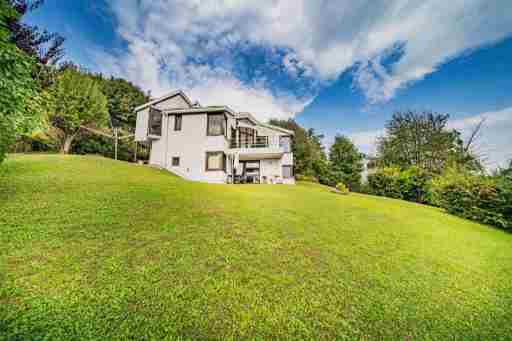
[(256, 142)]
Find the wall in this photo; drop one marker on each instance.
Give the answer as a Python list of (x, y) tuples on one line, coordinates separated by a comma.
[(270, 168), (176, 102), (156, 156), (190, 144), (141, 128)]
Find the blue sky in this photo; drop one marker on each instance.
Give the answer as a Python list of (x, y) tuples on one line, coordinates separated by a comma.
[(336, 66)]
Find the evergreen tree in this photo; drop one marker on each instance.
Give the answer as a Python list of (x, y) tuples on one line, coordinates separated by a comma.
[(346, 163)]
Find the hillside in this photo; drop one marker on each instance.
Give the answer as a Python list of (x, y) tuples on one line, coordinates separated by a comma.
[(94, 248)]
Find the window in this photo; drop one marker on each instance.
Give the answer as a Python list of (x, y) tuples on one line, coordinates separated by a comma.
[(287, 172), (177, 122), (155, 122), (216, 125), (175, 161), (215, 161), (284, 142), (247, 136)]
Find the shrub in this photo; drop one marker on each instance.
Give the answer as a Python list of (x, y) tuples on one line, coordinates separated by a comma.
[(308, 178), (342, 188), (94, 144), (481, 198), (410, 184)]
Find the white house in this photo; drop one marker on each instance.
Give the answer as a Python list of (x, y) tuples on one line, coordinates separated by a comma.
[(214, 143)]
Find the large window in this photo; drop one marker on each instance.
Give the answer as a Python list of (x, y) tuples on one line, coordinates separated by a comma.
[(155, 122), (177, 122), (247, 136), (216, 125), (287, 172), (215, 161)]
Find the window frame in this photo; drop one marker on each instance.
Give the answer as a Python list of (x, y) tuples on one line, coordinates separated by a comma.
[(152, 113), (178, 118), (291, 171), (224, 126), (174, 158), (223, 165)]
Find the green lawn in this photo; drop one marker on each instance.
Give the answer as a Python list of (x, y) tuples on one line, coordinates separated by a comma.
[(93, 248)]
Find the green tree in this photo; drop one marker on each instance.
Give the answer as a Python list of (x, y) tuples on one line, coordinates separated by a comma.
[(422, 139), (506, 172), (122, 98), (47, 48), (19, 96), (78, 102), (346, 162)]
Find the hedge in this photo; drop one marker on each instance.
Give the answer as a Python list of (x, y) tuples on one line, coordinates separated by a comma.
[(481, 198), (410, 184)]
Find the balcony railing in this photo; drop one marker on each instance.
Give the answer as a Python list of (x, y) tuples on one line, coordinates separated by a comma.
[(257, 142), (273, 142)]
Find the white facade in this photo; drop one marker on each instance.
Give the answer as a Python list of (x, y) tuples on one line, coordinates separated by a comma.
[(248, 150)]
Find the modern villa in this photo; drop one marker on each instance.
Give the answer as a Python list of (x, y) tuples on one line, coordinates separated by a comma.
[(213, 143)]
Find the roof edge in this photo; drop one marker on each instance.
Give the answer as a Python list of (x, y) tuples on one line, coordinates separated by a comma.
[(165, 97)]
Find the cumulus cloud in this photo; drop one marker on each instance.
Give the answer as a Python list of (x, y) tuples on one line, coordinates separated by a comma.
[(196, 45), (494, 143)]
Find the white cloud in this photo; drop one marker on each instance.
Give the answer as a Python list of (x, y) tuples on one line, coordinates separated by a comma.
[(365, 140), (192, 44), (494, 142)]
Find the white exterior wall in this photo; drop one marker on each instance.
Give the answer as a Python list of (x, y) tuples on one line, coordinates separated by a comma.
[(157, 154), (176, 102), (270, 168), (190, 144), (141, 128), (287, 159)]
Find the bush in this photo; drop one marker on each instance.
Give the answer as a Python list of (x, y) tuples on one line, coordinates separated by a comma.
[(94, 144), (308, 178), (410, 184), (481, 198), (342, 188)]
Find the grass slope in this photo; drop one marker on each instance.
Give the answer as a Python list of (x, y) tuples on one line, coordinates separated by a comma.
[(93, 248)]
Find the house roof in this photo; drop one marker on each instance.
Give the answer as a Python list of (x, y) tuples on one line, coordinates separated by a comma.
[(163, 98), (270, 126), (251, 118), (196, 110)]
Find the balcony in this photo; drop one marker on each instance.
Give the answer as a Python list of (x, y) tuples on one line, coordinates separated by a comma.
[(258, 147)]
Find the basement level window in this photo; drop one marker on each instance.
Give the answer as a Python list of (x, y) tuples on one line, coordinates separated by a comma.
[(287, 172), (175, 161), (215, 161)]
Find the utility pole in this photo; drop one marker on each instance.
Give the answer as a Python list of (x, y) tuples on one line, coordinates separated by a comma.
[(115, 137), (135, 152)]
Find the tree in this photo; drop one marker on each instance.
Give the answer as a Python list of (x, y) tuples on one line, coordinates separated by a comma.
[(505, 172), (78, 102), (46, 47), (122, 99), (422, 139), (346, 162), (19, 109)]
